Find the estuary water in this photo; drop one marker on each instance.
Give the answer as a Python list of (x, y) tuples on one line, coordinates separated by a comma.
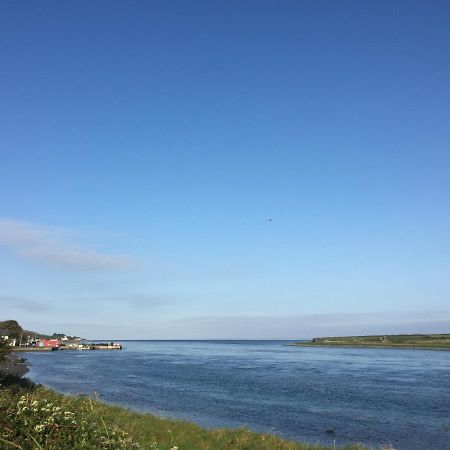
[(372, 396)]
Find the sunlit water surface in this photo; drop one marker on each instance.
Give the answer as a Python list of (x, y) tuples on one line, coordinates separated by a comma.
[(372, 396)]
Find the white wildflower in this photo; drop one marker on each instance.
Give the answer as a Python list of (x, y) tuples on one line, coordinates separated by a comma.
[(39, 428)]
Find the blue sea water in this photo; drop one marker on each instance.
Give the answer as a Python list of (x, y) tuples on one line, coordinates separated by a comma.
[(372, 396)]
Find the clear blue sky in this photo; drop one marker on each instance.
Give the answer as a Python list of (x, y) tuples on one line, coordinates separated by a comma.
[(144, 146)]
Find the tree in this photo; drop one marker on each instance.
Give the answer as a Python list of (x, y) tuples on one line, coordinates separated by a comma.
[(15, 330)]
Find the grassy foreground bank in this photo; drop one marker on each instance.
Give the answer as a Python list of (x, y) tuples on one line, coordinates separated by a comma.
[(423, 341), (34, 417)]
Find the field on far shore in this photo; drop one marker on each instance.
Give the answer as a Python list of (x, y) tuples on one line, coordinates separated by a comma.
[(423, 341)]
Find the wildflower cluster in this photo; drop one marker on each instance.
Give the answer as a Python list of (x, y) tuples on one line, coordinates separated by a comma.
[(52, 424), (46, 415)]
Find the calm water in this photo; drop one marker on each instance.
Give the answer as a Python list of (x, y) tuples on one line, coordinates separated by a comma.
[(373, 396)]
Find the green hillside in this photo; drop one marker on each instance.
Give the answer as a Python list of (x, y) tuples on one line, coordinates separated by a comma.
[(426, 341)]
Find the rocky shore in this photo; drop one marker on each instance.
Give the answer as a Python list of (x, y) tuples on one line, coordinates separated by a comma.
[(13, 366)]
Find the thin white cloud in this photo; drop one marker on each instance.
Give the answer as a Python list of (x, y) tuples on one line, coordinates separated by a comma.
[(23, 303), (138, 301), (55, 247)]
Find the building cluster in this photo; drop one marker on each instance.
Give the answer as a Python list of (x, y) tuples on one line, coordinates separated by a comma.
[(4, 335), (52, 343), (62, 342), (33, 341)]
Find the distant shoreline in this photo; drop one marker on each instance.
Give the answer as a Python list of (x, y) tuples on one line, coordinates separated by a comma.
[(31, 349), (393, 341), (393, 347)]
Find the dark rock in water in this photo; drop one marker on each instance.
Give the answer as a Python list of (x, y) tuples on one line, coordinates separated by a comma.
[(13, 366)]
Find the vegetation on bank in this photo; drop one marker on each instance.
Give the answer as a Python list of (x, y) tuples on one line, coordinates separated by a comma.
[(5, 350), (17, 332), (33, 417), (425, 341), (13, 327)]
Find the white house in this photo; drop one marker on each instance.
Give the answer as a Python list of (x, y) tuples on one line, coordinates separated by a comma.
[(4, 334)]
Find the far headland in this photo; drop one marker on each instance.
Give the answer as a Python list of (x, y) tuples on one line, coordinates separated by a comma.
[(418, 341)]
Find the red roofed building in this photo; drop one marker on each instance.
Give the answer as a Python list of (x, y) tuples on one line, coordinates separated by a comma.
[(48, 343)]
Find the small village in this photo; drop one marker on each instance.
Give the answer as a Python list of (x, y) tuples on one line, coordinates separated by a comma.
[(32, 343)]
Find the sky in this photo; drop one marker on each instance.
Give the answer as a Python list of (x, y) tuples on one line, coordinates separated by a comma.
[(225, 169)]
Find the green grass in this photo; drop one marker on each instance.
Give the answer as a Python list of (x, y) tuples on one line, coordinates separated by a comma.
[(38, 418), (425, 341)]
